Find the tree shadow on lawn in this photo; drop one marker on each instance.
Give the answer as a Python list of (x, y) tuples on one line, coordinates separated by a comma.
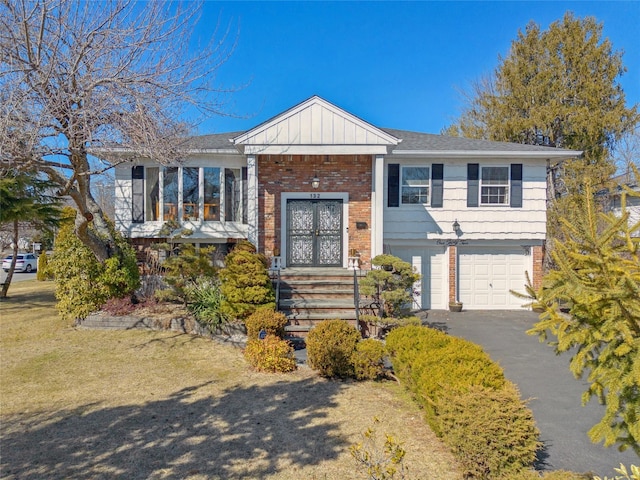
[(21, 299), (246, 432)]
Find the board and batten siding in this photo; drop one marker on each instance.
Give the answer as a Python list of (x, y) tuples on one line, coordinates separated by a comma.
[(316, 123), (419, 222)]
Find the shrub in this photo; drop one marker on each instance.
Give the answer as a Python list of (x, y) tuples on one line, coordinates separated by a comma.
[(330, 347), (83, 284), (624, 473), (204, 300), (185, 267), (245, 281), (390, 285), (265, 319), (378, 460), (44, 271), (426, 360), (491, 432), (368, 360), (270, 355), (119, 306), (532, 474)]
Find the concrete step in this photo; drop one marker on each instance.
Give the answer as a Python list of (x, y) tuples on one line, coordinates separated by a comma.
[(319, 316), (320, 283), (302, 274), (326, 303), (311, 294)]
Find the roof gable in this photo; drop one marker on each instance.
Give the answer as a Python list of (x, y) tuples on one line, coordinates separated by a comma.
[(315, 122)]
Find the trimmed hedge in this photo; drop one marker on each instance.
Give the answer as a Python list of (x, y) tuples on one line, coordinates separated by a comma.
[(368, 359), (467, 401), (427, 360), (491, 432)]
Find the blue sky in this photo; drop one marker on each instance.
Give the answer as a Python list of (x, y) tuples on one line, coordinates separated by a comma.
[(394, 64)]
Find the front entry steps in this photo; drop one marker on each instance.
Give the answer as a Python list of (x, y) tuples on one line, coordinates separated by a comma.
[(309, 295)]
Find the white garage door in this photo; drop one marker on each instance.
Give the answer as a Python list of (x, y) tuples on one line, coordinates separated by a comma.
[(430, 263), (486, 274)]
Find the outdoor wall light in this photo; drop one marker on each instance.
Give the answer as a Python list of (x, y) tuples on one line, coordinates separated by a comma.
[(456, 227), (315, 182)]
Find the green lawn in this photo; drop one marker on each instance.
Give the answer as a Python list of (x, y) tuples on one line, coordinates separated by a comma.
[(138, 404)]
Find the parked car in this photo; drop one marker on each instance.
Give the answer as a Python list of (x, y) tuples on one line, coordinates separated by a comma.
[(26, 262)]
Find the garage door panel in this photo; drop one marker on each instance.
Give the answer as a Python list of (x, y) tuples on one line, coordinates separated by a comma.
[(481, 270), (487, 274)]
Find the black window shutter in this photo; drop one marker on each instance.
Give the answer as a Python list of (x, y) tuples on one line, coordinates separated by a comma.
[(473, 171), (516, 185), (137, 194), (245, 195), (393, 185), (437, 183)]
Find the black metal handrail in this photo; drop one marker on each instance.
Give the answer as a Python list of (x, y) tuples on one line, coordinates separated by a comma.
[(356, 296), (275, 279)]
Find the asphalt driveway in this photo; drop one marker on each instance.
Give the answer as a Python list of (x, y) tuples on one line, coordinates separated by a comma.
[(544, 377)]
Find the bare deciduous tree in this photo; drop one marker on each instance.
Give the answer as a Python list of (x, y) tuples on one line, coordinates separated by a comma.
[(627, 155), (116, 75)]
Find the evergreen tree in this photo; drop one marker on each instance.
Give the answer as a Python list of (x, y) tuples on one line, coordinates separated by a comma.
[(24, 200), (597, 278), (245, 282), (559, 88), (83, 284), (390, 284)]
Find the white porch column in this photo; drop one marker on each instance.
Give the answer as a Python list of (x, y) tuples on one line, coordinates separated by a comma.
[(252, 199), (377, 206)]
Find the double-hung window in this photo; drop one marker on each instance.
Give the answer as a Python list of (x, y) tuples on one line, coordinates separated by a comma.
[(494, 186), (414, 185)]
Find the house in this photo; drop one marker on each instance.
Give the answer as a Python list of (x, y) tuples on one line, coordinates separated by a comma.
[(318, 186), (614, 198)]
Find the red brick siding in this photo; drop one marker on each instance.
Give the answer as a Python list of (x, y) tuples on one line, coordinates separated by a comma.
[(293, 173), (538, 268), (453, 257)]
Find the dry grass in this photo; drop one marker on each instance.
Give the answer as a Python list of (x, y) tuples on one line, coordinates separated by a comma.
[(136, 404)]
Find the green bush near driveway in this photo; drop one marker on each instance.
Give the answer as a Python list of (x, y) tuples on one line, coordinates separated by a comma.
[(466, 400)]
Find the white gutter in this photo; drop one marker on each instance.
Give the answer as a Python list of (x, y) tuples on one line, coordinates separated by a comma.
[(562, 154)]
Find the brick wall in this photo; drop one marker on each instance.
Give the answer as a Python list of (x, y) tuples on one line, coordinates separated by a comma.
[(538, 268), (453, 257), (293, 173)]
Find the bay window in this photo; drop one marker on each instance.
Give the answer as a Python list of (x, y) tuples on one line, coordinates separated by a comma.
[(190, 193), (209, 194), (170, 193)]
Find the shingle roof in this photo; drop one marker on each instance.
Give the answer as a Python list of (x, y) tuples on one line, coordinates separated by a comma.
[(411, 142), (214, 141), (415, 141)]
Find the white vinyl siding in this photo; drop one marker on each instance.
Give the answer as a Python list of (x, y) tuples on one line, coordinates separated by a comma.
[(422, 223)]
